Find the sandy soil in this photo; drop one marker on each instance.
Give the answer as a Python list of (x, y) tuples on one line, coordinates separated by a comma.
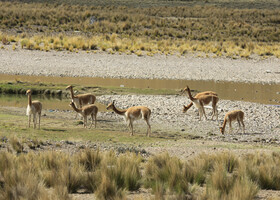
[(26, 62)]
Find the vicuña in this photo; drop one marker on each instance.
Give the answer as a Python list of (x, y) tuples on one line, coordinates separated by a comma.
[(133, 113)]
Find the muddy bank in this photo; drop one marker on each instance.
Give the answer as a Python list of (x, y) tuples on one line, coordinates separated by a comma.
[(26, 62)]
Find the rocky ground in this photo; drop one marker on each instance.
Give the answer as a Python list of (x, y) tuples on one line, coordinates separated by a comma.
[(262, 121), (26, 62)]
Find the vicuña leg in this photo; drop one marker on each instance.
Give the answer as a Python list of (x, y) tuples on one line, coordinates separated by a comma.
[(243, 126), (34, 120), (29, 120), (131, 126), (240, 121), (230, 127), (85, 121), (39, 119), (215, 111), (149, 128)]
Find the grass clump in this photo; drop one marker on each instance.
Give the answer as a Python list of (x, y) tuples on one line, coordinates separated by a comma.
[(197, 169), (123, 170), (231, 185), (55, 175), (164, 175), (262, 169), (16, 144)]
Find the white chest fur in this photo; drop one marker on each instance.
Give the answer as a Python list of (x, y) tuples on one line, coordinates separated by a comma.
[(29, 110)]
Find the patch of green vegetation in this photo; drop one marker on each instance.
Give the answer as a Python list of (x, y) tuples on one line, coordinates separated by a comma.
[(59, 89), (59, 129), (19, 87)]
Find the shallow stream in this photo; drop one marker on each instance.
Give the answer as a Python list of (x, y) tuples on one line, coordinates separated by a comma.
[(251, 92)]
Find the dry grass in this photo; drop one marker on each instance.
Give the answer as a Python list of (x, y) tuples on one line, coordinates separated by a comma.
[(16, 144), (164, 175), (167, 30), (54, 175), (262, 169)]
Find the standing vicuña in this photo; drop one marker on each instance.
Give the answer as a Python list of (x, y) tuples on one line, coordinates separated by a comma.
[(81, 99), (85, 111), (198, 95), (202, 99), (33, 108), (134, 113), (232, 116)]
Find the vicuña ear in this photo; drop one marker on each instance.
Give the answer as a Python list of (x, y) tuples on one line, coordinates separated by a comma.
[(114, 101)]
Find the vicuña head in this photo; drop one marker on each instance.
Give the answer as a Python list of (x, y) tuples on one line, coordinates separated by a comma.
[(28, 92), (186, 108), (111, 105), (222, 130), (72, 104), (69, 87), (184, 89)]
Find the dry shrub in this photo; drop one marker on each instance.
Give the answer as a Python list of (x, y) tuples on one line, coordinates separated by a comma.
[(21, 184), (164, 174), (197, 169), (16, 144), (6, 161), (71, 177), (263, 169), (89, 159), (123, 170), (20, 179), (5, 40), (108, 189), (234, 185)]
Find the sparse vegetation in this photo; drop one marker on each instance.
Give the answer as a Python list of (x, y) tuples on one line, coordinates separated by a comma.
[(58, 90), (166, 30), (227, 176)]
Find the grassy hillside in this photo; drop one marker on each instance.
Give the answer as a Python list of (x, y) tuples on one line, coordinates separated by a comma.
[(206, 28), (260, 4)]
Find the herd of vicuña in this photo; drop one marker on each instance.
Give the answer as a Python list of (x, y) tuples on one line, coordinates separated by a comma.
[(83, 104)]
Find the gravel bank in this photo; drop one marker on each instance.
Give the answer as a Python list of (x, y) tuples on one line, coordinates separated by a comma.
[(262, 121), (27, 62)]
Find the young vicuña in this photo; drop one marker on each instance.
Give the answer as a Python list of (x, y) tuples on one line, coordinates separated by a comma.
[(33, 108), (231, 116), (86, 111)]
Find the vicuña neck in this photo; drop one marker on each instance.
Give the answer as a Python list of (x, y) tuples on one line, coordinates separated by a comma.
[(29, 100), (118, 111), (224, 124), (78, 110), (190, 95), (72, 93)]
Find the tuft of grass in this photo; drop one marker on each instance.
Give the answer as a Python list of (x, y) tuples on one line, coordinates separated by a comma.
[(196, 170), (108, 189), (89, 159), (262, 169), (124, 170), (16, 144), (222, 184), (164, 174)]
